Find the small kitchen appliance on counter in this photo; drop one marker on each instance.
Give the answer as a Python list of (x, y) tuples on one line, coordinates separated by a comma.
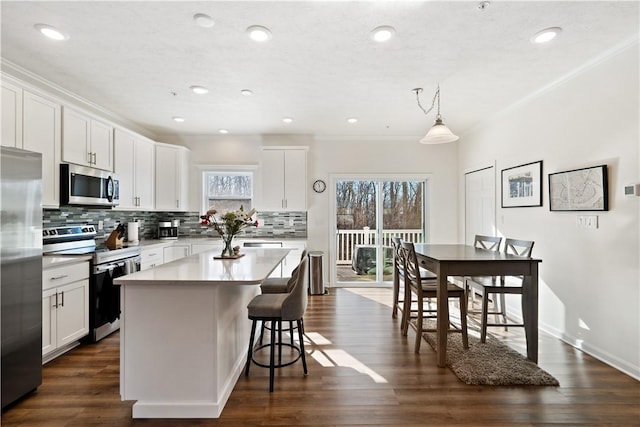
[(168, 229)]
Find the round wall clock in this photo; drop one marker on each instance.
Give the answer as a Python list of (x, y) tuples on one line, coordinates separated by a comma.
[(319, 186)]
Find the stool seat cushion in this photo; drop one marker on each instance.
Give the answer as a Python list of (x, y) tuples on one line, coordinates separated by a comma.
[(267, 306)]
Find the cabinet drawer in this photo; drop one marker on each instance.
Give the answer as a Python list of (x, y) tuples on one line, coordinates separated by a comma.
[(63, 275), (151, 258)]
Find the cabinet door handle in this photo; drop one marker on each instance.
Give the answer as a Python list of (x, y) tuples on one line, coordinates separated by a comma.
[(177, 203), (62, 276), (90, 155), (62, 304), (95, 158), (56, 304)]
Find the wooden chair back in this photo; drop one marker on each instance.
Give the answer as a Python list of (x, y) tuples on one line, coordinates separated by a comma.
[(411, 266), (396, 244), (490, 243), (518, 247)]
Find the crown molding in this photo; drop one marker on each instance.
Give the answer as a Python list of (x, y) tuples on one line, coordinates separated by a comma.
[(34, 82)]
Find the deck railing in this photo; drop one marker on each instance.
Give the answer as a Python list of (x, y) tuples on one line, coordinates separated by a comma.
[(348, 239)]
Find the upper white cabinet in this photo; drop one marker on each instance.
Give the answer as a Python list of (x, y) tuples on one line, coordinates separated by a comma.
[(86, 141), (11, 125), (41, 133), (284, 179), (134, 165), (172, 177)]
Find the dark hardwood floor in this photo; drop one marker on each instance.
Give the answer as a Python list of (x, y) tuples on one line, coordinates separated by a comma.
[(361, 372)]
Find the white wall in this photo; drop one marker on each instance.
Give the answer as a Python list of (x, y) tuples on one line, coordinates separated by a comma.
[(326, 157), (589, 294)]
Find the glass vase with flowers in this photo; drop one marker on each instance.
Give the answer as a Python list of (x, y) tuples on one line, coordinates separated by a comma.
[(228, 226)]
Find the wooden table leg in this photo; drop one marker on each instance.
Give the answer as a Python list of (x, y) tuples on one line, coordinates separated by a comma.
[(530, 312), (443, 317)]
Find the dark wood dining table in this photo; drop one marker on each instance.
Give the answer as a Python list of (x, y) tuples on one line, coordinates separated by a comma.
[(464, 260)]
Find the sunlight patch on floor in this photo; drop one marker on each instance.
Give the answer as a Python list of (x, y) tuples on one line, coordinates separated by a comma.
[(337, 357), (382, 296)]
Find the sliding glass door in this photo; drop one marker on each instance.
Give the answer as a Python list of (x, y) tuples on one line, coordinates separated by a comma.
[(368, 212)]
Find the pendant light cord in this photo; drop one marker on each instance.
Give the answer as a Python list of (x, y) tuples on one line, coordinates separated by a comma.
[(436, 96)]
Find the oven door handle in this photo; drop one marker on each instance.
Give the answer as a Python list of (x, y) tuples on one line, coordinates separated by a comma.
[(109, 267)]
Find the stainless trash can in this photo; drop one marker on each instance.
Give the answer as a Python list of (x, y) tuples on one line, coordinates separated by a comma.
[(316, 284)]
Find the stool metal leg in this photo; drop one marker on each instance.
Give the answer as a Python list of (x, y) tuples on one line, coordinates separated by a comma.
[(250, 351), (302, 354), (272, 358)]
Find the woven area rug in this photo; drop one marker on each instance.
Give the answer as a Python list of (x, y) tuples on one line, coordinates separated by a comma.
[(492, 363)]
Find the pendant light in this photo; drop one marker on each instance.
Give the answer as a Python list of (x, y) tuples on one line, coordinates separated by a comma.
[(439, 133)]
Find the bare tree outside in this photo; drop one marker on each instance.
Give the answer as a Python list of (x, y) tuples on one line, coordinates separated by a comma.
[(356, 204)]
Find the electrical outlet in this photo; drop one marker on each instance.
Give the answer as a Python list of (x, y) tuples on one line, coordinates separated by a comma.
[(100, 225), (587, 221)]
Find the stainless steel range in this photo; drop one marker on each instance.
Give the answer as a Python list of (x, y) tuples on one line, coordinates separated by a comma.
[(106, 265)]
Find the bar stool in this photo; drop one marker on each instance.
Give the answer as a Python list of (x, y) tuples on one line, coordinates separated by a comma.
[(280, 285), (276, 308)]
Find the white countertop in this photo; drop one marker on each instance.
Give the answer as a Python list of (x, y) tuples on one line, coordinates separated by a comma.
[(256, 265), (52, 261)]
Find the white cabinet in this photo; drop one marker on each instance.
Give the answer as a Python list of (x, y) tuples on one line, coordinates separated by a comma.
[(134, 165), (151, 257), (284, 179), (65, 307), (86, 141), (197, 248), (176, 251), (171, 177), (11, 111), (292, 259), (41, 133)]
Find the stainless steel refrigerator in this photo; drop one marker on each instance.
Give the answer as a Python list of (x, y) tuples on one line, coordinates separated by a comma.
[(21, 272)]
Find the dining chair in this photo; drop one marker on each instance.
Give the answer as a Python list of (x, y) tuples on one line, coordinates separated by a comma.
[(489, 243), (500, 286), (426, 289), (398, 277), (276, 308)]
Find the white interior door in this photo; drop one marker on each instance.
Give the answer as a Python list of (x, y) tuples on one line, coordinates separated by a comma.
[(480, 204)]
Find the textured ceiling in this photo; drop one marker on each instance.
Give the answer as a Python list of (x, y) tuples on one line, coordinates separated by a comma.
[(321, 65)]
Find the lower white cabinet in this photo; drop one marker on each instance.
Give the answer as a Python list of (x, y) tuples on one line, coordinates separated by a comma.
[(176, 251), (196, 248), (152, 257), (65, 307), (293, 257)]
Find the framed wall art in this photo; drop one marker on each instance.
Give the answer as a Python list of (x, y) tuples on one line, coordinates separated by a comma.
[(522, 185), (579, 190)]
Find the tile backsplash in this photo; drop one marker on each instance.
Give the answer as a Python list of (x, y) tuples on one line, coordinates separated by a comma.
[(271, 224)]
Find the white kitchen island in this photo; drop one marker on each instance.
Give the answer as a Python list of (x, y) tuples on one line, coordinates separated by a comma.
[(184, 331)]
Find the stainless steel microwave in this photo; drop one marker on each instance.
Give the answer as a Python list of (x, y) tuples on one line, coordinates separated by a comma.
[(80, 185)]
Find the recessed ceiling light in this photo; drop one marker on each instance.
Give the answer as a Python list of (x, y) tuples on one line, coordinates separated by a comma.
[(203, 20), (178, 119), (223, 131), (546, 35), (287, 119), (352, 120), (259, 33), (51, 32), (246, 92), (200, 90), (382, 34)]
